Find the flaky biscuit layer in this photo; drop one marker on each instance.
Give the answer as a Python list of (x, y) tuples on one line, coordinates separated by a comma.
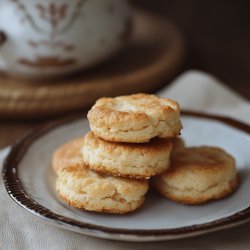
[(135, 118), (84, 189), (197, 175), (127, 159)]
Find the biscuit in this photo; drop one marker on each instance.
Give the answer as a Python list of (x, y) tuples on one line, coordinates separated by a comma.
[(67, 154), (135, 118), (132, 160), (85, 189), (178, 143), (197, 175)]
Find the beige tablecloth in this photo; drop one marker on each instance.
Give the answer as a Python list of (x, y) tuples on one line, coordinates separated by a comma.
[(194, 90)]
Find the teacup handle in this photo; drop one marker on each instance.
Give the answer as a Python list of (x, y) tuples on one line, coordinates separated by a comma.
[(2, 37)]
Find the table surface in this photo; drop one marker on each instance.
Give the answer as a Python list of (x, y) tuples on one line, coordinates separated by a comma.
[(219, 45)]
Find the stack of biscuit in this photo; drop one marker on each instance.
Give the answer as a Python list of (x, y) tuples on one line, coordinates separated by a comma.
[(132, 139)]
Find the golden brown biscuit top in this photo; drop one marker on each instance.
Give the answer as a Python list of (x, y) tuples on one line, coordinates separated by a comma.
[(142, 108), (81, 179), (68, 153), (137, 103), (200, 158), (200, 169)]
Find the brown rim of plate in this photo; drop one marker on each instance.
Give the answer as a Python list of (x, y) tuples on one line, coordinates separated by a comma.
[(16, 191)]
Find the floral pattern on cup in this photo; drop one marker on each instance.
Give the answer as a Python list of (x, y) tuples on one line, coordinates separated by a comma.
[(58, 34)]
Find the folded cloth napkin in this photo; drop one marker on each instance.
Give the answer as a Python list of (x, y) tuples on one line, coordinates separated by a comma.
[(199, 91), (194, 90)]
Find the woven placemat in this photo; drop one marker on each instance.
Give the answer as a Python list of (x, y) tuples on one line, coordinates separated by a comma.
[(153, 56)]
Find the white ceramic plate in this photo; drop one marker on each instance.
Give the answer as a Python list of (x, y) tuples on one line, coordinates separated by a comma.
[(30, 181)]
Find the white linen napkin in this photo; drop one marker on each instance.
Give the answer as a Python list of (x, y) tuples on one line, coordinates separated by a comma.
[(199, 91), (194, 90)]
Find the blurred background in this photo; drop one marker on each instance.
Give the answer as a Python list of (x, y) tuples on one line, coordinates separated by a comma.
[(215, 37)]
